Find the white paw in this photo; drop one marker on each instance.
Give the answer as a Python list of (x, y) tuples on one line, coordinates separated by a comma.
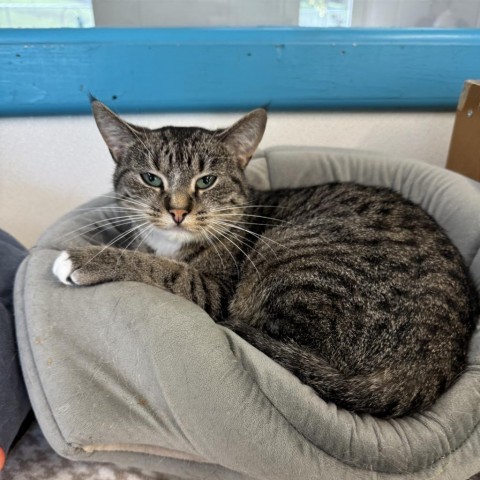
[(62, 268)]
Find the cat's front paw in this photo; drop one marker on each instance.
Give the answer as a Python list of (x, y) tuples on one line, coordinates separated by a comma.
[(63, 268), (85, 266)]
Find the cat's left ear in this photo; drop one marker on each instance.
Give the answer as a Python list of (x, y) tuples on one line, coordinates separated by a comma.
[(243, 137)]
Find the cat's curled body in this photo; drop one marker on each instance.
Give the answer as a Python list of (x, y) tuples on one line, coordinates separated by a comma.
[(354, 289)]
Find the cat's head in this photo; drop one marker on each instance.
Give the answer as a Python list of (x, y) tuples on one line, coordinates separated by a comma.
[(184, 180)]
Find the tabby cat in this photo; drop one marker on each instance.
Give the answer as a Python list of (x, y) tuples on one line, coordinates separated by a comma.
[(354, 289)]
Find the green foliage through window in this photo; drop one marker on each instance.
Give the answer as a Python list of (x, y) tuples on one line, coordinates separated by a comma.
[(325, 13), (46, 14)]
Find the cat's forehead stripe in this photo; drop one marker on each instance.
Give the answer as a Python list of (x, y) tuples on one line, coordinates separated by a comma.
[(192, 153)]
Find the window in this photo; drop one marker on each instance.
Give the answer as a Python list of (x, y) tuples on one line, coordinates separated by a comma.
[(46, 13), (324, 13)]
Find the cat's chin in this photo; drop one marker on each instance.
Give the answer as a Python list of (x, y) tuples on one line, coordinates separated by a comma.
[(167, 242)]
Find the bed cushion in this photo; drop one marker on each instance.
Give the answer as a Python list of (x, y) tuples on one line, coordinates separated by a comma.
[(130, 374), (14, 404)]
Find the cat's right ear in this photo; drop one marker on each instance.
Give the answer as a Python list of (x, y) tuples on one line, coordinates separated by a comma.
[(118, 135)]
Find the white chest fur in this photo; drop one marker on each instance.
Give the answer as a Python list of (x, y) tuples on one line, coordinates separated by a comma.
[(167, 243)]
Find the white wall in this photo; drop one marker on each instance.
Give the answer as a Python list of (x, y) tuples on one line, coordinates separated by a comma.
[(48, 165), (195, 13)]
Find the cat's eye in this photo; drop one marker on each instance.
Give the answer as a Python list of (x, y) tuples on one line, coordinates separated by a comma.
[(205, 182), (152, 180)]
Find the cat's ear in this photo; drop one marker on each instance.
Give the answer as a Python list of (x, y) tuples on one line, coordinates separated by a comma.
[(243, 137), (118, 134)]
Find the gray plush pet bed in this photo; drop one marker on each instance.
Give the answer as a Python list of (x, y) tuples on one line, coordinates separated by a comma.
[(130, 374)]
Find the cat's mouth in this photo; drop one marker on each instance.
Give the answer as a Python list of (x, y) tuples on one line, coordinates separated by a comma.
[(187, 230), (177, 231), (179, 228)]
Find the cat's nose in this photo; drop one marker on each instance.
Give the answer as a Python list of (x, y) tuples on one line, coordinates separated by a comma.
[(178, 215)]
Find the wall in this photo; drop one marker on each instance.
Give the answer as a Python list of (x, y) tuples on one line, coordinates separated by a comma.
[(48, 165), (192, 13)]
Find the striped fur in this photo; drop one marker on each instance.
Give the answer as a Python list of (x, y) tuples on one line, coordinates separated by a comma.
[(354, 289)]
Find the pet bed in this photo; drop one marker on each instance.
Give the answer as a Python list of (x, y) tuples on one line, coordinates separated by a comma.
[(130, 374)]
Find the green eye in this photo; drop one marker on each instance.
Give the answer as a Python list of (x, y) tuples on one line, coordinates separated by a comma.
[(205, 182), (152, 180)]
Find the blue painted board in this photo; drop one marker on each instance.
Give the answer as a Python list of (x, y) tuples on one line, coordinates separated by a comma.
[(140, 70)]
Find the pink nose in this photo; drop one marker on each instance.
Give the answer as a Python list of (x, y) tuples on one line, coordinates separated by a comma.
[(178, 215)]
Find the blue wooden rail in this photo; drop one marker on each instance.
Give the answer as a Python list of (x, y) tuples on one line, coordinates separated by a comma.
[(139, 70)]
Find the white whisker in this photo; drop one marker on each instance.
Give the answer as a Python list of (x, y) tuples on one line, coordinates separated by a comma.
[(118, 237), (239, 248), (147, 232), (109, 207), (244, 206), (210, 241), (260, 237), (114, 221), (225, 247), (124, 198), (247, 242), (251, 215), (138, 234)]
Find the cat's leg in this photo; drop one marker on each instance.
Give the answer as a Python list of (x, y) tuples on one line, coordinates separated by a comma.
[(94, 265)]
